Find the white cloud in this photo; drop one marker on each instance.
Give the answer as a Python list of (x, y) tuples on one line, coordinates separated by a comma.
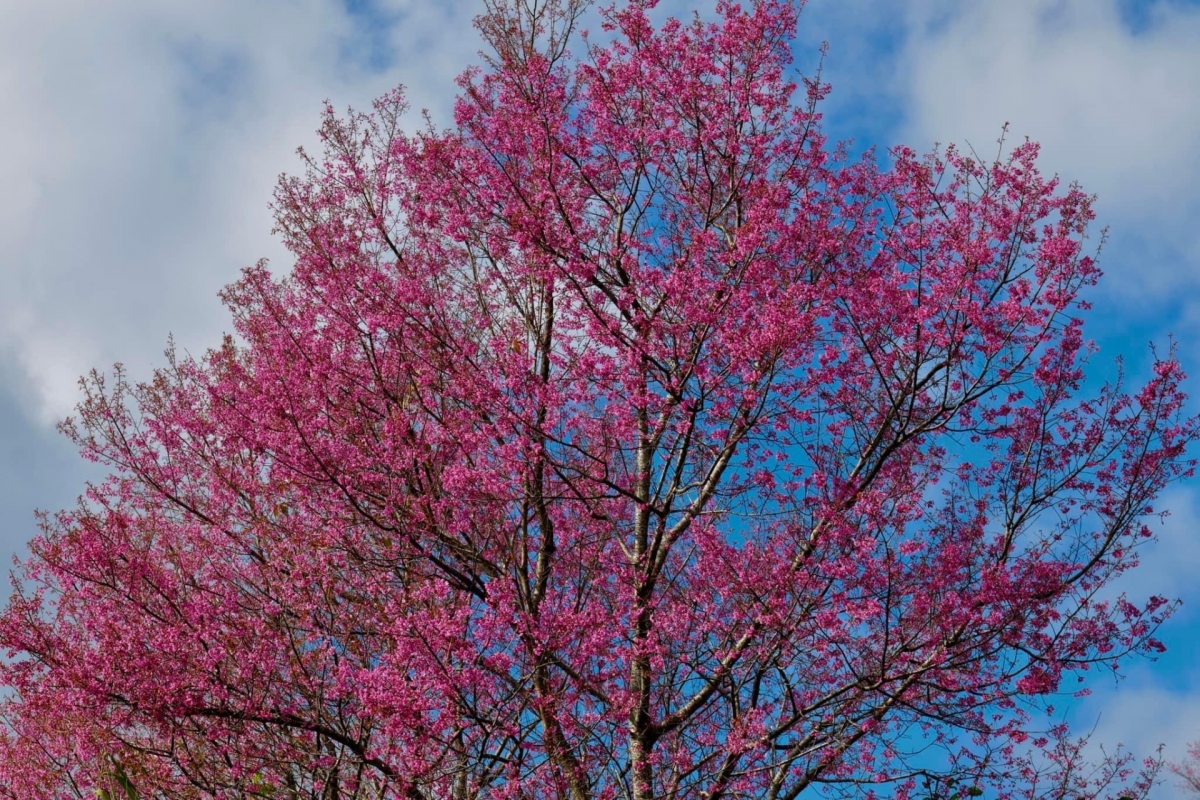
[(1143, 714), (139, 146), (1113, 106)]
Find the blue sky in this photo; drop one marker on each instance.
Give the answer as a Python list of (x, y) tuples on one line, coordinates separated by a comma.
[(140, 141)]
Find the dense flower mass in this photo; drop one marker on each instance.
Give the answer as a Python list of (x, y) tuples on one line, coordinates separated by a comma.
[(626, 440)]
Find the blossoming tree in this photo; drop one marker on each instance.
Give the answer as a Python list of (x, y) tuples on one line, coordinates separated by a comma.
[(1188, 771), (625, 440)]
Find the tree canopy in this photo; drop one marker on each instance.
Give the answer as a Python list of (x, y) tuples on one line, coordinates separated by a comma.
[(627, 439)]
